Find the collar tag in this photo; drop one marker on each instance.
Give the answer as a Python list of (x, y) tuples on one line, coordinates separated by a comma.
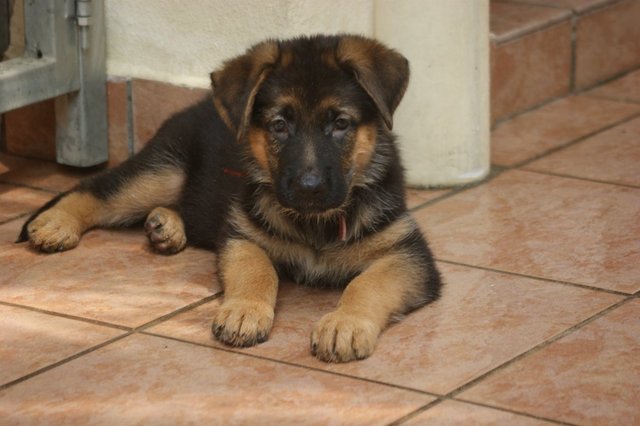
[(342, 233)]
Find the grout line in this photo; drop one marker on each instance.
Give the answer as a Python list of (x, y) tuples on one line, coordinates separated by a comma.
[(417, 412), (575, 141), (238, 351), (551, 280), (12, 218), (578, 92), (607, 80), (128, 332), (574, 52), (494, 173), (532, 108), (519, 413), (537, 4), (563, 175), (537, 348), (426, 407), (177, 312), (64, 361), (612, 98), (67, 316), (520, 33), (453, 394), (24, 185)]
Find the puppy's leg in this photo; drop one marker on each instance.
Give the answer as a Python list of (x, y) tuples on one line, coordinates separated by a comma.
[(165, 230), (250, 288), (118, 197), (390, 286)]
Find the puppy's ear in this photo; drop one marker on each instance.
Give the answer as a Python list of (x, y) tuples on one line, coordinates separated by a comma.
[(382, 72), (236, 84)]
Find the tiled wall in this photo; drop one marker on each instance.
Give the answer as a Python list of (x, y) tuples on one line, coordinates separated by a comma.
[(136, 109), (543, 49), (540, 50)]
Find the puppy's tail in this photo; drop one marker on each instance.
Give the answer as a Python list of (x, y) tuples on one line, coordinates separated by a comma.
[(24, 234)]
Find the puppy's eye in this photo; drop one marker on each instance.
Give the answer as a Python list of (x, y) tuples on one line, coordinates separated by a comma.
[(341, 123), (278, 125)]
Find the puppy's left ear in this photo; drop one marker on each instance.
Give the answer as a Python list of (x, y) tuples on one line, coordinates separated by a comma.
[(236, 84), (382, 72)]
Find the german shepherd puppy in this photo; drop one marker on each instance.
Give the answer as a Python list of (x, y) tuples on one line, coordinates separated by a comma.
[(288, 170)]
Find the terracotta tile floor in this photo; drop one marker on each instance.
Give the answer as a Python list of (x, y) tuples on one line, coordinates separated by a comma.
[(539, 322)]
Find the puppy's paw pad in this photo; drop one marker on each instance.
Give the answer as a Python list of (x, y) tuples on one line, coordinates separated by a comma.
[(165, 231), (342, 337), (54, 230), (242, 323)]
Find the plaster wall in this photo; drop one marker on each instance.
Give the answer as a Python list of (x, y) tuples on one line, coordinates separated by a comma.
[(443, 122)]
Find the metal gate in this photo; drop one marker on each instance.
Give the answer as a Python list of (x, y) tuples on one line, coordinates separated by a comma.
[(65, 58)]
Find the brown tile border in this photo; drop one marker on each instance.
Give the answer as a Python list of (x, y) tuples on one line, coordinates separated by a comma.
[(530, 70), (153, 102), (509, 20)]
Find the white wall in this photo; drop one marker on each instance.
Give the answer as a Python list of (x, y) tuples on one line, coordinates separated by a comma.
[(443, 122), (183, 41)]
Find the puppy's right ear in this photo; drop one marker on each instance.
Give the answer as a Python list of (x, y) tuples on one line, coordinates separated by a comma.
[(236, 84)]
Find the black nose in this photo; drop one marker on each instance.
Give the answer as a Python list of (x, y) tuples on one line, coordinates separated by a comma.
[(310, 183)]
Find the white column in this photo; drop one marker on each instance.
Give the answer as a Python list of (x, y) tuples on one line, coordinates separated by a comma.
[(443, 121)]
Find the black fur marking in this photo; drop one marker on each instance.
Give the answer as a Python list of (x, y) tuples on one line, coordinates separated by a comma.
[(198, 142)]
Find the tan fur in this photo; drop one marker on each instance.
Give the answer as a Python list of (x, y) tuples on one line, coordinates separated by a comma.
[(250, 289), (338, 258), (286, 58), (224, 115), (351, 331), (258, 141), (165, 230), (61, 227), (364, 147), (147, 191), (364, 56), (242, 73)]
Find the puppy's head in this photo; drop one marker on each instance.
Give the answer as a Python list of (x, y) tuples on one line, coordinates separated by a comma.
[(311, 110)]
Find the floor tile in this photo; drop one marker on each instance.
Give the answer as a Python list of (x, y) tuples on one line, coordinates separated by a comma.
[(554, 125), (611, 156), (11, 162), (460, 413), (32, 340), (530, 70), (482, 320), (16, 200), (626, 88), (149, 380), (416, 197), (607, 42), (591, 376), (510, 20), (42, 174), (111, 276), (545, 226)]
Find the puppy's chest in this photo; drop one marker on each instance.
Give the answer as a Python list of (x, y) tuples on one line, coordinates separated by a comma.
[(333, 265)]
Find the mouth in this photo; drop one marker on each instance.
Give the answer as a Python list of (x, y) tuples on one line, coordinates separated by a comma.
[(309, 206)]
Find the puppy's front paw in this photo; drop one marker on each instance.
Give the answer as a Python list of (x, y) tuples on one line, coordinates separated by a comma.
[(242, 322), (165, 230), (54, 230), (342, 337)]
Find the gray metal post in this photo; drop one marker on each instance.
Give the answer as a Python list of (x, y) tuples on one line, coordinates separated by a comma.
[(57, 64)]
